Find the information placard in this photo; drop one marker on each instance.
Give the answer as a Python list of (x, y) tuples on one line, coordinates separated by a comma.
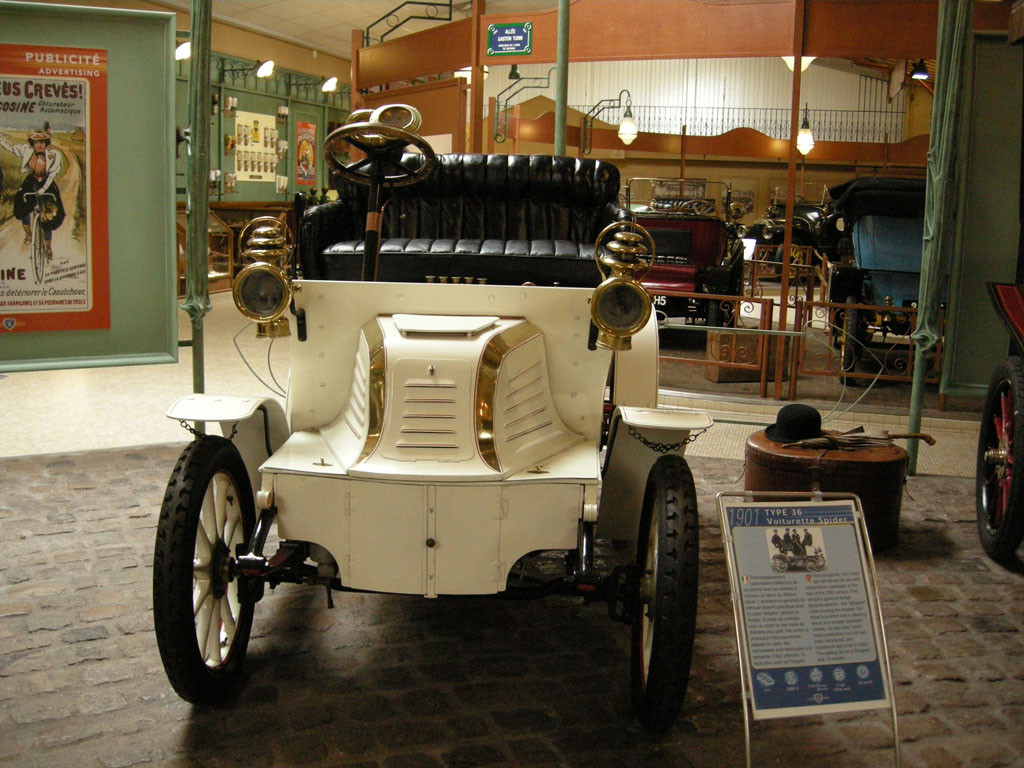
[(255, 153), (810, 633)]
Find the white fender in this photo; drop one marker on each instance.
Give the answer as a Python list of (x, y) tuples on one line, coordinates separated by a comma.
[(637, 437), (256, 425), (635, 377)]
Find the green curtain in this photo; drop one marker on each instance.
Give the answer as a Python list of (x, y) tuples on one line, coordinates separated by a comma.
[(940, 193)]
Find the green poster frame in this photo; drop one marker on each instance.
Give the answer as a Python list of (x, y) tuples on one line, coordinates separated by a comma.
[(143, 325)]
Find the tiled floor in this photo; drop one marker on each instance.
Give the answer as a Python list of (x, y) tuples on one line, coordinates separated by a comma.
[(74, 410)]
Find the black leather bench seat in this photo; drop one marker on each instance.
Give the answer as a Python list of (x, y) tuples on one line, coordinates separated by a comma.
[(564, 249), (503, 262), (505, 219)]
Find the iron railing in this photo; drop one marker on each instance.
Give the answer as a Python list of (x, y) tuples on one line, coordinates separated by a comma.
[(872, 126)]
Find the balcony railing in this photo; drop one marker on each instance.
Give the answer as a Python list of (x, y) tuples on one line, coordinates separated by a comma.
[(875, 126)]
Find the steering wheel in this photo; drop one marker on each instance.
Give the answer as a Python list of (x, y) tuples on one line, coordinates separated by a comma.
[(698, 206), (383, 146)]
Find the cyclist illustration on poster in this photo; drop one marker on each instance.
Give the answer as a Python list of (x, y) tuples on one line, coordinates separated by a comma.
[(37, 203), (49, 266)]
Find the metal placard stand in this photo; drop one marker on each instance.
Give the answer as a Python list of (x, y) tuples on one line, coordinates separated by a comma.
[(809, 628)]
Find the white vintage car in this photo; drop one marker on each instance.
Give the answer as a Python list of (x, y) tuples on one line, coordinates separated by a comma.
[(434, 439)]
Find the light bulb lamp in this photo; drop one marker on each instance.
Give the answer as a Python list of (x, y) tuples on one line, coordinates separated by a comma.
[(501, 101), (330, 84), (183, 50), (804, 137), (627, 128), (920, 71), (261, 69)]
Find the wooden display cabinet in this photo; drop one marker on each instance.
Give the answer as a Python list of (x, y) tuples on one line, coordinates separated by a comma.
[(220, 250)]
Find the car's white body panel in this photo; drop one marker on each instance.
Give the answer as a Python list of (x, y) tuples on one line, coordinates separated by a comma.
[(440, 432)]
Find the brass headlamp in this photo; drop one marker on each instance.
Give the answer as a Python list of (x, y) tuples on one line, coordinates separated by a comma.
[(621, 306), (262, 291)]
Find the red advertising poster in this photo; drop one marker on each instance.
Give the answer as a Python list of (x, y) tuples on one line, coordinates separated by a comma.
[(305, 153), (54, 266)]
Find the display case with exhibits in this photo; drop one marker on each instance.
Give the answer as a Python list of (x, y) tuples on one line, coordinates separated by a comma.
[(221, 251)]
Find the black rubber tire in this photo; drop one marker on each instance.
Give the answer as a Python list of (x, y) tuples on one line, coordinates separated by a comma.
[(999, 490), (664, 627), (178, 549)]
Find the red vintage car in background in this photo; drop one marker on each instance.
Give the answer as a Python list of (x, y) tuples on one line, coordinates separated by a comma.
[(699, 246)]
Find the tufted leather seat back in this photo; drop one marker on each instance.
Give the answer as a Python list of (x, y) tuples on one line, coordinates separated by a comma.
[(472, 205), (506, 197)]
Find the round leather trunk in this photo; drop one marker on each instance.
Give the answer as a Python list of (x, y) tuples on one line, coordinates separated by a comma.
[(875, 474)]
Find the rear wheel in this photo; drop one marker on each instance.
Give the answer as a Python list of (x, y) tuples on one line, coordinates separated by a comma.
[(999, 492), (663, 628), (202, 627)]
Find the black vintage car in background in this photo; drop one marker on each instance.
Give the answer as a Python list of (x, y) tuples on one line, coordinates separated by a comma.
[(815, 223)]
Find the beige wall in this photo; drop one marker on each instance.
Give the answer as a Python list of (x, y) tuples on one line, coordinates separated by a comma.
[(919, 111), (234, 41)]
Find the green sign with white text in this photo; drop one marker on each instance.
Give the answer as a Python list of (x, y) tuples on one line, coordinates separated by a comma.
[(509, 39)]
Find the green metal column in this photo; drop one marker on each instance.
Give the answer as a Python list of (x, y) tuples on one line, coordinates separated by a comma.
[(197, 196), (562, 76), (940, 197)]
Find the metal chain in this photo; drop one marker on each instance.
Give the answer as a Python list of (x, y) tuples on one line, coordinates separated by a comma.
[(197, 434), (663, 447)]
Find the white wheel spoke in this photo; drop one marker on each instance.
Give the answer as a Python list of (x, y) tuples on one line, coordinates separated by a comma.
[(221, 491), (229, 617), (230, 529), (204, 615), (200, 594), (213, 654), (204, 552), (207, 517)]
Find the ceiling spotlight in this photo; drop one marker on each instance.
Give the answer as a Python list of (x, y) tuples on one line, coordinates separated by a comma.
[(920, 71), (330, 84), (805, 62), (265, 69), (514, 73)]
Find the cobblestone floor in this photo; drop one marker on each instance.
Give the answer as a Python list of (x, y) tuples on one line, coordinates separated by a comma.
[(396, 681)]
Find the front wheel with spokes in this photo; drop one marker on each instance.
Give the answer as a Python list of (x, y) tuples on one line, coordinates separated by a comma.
[(38, 247), (999, 492), (664, 627), (202, 625)]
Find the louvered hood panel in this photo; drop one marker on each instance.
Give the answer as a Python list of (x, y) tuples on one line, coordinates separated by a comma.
[(464, 397)]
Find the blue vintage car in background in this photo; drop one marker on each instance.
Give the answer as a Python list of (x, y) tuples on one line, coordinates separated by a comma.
[(882, 225)]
